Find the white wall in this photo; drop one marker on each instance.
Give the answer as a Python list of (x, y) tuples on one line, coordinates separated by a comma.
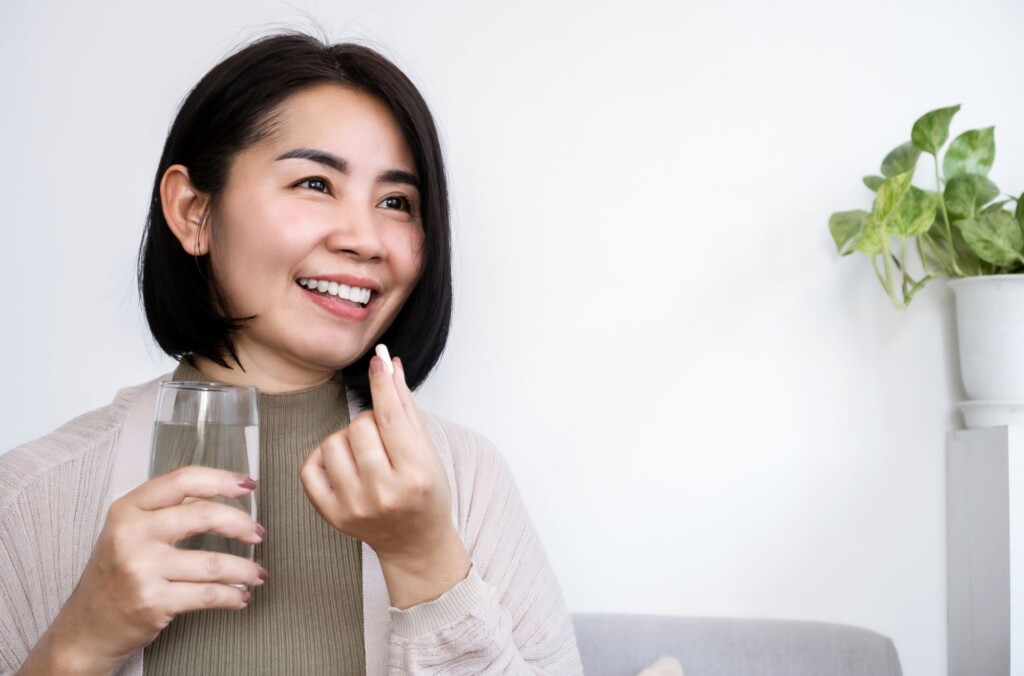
[(707, 411)]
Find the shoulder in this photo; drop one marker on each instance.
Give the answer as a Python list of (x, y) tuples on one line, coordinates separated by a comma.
[(456, 437), (473, 462), (79, 439)]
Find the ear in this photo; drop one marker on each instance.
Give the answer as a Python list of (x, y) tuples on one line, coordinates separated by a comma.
[(185, 210)]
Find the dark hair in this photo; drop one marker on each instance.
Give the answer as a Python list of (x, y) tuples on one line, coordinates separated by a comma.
[(230, 110)]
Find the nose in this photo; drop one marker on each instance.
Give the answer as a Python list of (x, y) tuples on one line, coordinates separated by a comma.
[(355, 233)]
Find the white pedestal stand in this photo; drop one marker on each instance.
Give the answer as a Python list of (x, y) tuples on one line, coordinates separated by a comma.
[(985, 551)]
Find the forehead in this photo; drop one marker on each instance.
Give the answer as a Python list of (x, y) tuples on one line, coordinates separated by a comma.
[(344, 121)]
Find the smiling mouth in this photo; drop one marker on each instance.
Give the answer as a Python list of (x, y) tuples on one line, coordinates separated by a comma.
[(354, 295)]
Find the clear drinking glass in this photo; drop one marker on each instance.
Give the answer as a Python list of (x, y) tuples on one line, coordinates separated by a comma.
[(212, 425)]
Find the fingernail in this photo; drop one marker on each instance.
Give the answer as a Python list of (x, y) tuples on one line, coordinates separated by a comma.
[(376, 366), (246, 597), (262, 573), (261, 532), (245, 482)]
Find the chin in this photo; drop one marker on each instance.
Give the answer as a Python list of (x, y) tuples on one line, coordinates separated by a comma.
[(332, 361), (319, 349)]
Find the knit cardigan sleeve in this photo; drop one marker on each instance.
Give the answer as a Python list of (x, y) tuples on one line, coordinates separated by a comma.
[(53, 499), (508, 616)]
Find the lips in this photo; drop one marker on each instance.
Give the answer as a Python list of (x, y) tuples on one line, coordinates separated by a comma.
[(355, 294), (346, 297)]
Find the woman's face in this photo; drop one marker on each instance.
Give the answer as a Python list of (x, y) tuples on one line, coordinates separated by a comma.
[(328, 201)]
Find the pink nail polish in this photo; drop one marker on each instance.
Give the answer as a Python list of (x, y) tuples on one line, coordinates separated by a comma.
[(245, 482), (376, 366), (261, 532)]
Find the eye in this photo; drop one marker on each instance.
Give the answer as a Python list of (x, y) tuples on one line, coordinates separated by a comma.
[(315, 183), (397, 202)]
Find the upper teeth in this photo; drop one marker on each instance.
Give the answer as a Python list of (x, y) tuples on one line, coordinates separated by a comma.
[(352, 293)]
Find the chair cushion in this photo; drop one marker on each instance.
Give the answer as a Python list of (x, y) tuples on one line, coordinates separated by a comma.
[(623, 645)]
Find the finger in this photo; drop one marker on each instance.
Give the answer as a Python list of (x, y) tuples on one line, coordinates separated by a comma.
[(396, 430), (335, 456), (183, 597), (317, 485), (189, 482), (383, 390), (347, 478), (172, 524), (367, 448), (195, 566), (412, 410)]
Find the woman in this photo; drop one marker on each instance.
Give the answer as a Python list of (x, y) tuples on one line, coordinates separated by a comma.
[(299, 217)]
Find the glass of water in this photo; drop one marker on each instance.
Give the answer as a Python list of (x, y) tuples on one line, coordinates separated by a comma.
[(212, 425)]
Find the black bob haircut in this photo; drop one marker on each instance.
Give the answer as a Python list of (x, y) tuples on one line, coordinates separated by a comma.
[(231, 109)]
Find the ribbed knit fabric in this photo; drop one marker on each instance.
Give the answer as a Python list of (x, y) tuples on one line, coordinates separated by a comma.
[(308, 617)]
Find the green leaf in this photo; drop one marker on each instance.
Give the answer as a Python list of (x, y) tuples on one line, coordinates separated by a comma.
[(995, 237), (967, 193), (969, 263), (889, 195), (995, 206), (901, 160), (872, 240), (845, 227), (873, 182), (1020, 210), (972, 152), (932, 129), (914, 215)]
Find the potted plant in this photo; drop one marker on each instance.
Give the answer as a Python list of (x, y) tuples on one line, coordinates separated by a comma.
[(963, 228)]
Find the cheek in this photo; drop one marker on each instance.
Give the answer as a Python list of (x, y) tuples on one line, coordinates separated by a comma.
[(410, 253), (262, 234), (252, 249)]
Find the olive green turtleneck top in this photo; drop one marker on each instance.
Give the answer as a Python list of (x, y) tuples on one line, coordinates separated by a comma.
[(308, 616)]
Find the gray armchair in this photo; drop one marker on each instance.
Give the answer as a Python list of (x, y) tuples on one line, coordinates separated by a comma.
[(622, 645)]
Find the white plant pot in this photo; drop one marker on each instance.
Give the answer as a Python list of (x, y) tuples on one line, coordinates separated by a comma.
[(990, 328)]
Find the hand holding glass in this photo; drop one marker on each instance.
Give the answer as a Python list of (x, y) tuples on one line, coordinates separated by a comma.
[(212, 425)]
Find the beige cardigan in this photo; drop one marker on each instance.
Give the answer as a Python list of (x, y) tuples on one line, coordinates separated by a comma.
[(507, 617)]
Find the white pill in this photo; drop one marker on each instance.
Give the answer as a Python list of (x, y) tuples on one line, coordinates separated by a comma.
[(382, 352)]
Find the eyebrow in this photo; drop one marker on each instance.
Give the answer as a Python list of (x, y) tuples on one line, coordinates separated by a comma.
[(341, 166), (399, 176), (319, 156)]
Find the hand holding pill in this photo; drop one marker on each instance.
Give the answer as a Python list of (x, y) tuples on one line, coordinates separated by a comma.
[(380, 480)]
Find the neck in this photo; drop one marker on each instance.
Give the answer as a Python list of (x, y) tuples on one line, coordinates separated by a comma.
[(268, 376)]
